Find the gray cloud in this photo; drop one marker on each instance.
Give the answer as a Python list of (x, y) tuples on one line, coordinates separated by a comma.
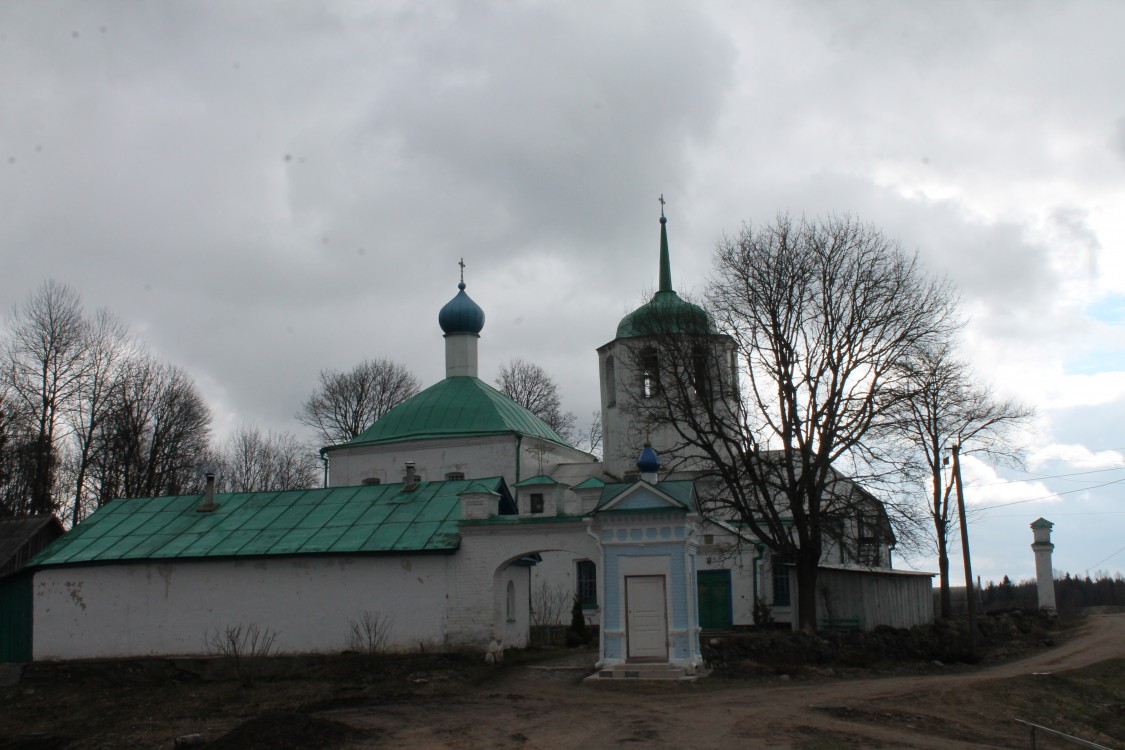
[(263, 191), (1117, 139)]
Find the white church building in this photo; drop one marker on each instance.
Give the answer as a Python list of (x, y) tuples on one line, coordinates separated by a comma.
[(444, 518)]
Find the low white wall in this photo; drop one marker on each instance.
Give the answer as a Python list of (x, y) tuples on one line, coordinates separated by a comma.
[(476, 604), (168, 609)]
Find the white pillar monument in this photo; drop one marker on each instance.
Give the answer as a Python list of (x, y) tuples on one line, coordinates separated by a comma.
[(1042, 548)]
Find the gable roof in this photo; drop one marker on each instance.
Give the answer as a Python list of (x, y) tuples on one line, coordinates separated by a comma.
[(537, 480), (22, 538), (670, 495), (461, 406), (338, 520)]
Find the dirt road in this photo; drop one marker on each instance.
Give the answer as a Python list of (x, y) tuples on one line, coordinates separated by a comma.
[(536, 708)]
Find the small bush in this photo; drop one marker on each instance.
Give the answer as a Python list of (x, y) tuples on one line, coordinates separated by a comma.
[(762, 614), (245, 646), (577, 634), (371, 633)]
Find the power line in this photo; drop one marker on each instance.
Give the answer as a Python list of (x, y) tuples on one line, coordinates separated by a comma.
[(1099, 562), (1053, 494), (1061, 515), (1047, 476)]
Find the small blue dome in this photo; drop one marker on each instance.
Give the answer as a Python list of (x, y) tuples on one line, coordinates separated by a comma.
[(461, 314), (649, 462)]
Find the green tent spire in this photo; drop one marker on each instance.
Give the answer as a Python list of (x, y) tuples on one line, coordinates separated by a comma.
[(665, 264), (665, 312)]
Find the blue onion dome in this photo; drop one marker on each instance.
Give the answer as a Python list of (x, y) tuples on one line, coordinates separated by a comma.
[(461, 314), (649, 462)]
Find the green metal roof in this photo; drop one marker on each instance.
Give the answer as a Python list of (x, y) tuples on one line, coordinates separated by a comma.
[(592, 483), (666, 312), (337, 520), (460, 406), (538, 479)]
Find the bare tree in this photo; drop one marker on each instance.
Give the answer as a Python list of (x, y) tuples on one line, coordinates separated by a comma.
[(155, 435), (813, 316), (105, 351), (943, 406), (590, 440), (347, 403), (44, 363), (251, 461), (16, 450), (531, 387)]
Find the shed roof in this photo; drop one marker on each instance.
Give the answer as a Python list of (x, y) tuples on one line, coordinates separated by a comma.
[(461, 406), (337, 520), (22, 538)]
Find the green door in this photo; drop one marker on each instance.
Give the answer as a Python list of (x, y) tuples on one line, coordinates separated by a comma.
[(15, 618), (714, 600)]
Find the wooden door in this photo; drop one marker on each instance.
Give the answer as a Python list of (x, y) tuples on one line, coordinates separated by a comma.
[(646, 619)]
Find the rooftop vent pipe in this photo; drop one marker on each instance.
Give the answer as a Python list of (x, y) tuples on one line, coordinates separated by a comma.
[(410, 481), (208, 505)]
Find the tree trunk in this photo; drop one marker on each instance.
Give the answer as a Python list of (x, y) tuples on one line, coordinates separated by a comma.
[(806, 592), (943, 570)]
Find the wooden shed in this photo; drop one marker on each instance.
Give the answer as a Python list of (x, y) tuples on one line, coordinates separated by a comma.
[(860, 597)]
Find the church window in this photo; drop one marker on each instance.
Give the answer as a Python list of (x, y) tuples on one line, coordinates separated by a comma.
[(780, 584), (454, 476), (372, 480), (511, 601), (537, 503), (586, 573), (650, 379), (610, 382), (700, 375)]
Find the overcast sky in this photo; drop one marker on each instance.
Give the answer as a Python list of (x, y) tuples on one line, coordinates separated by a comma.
[(265, 189)]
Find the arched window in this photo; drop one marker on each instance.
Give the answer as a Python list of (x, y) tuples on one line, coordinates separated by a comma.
[(700, 372), (650, 378), (610, 382), (511, 599)]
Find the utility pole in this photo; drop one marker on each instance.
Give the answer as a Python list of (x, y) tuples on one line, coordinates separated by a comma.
[(970, 592)]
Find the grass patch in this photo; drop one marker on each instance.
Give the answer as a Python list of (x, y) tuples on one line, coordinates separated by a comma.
[(1087, 703)]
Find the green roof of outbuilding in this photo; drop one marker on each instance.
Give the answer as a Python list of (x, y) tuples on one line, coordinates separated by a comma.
[(460, 406), (337, 520)]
